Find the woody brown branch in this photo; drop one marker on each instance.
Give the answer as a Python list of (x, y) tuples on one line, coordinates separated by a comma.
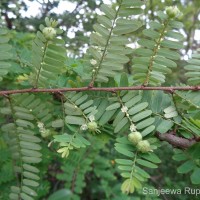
[(175, 140), (106, 89)]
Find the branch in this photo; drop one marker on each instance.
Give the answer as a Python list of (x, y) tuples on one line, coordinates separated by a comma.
[(106, 89), (176, 141)]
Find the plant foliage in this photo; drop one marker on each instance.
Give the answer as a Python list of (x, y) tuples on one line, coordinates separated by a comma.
[(86, 144)]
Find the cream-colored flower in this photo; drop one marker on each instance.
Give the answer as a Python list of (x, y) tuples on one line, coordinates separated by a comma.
[(124, 109), (64, 151), (91, 118), (84, 127), (40, 125), (132, 128), (93, 62)]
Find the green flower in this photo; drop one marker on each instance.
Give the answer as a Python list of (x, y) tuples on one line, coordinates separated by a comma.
[(144, 146), (135, 137), (173, 11), (49, 33)]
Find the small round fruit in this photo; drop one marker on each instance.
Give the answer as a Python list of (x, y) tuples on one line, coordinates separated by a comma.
[(143, 146), (92, 126), (135, 137), (49, 33)]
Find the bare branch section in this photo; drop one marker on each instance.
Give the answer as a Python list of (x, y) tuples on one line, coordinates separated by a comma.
[(106, 89), (176, 141)]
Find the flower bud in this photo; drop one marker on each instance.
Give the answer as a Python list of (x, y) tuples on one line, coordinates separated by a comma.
[(92, 126), (173, 11), (135, 137), (49, 33), (143, 146)]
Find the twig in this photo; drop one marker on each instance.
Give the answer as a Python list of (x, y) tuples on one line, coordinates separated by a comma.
[(106, 89), (176, 141)]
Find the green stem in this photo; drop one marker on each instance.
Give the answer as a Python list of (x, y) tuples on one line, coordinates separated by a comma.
[(126, 113), (133, 167), (94, 76), (188, 101), (40, 68), (18, 140), (155, 51), (174, 123), (78, 108)]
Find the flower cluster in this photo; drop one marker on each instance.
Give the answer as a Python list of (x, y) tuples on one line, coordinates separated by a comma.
[(44, 132), (173, 11), (49, 33), (93, 62), (132, 127), (142, 145), (64, 152), (91, 126), (135, 137)]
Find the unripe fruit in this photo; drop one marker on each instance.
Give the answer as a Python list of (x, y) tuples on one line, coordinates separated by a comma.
[(135, 137), (49, 33), (172, 11), (143, 146), (92, 126)]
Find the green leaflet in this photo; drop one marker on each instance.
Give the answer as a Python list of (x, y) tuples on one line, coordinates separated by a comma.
[(147, 43), (170, 112), (74, 120), (30, 168), (106, 117), (138, 108), (113, 106), (172, 44), (100, 29), (128, 3), (141, 115), (31, 175), (104, 21), (29, 191), (130, 11), (186, 167), (151, 157), (30, 183), (125, 27), (169, 54), (151, 33), (164, 126), (58, 123), (26, 197), (146, 163), (194, 176), (145, 123), (120, 125), (108, 11)]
